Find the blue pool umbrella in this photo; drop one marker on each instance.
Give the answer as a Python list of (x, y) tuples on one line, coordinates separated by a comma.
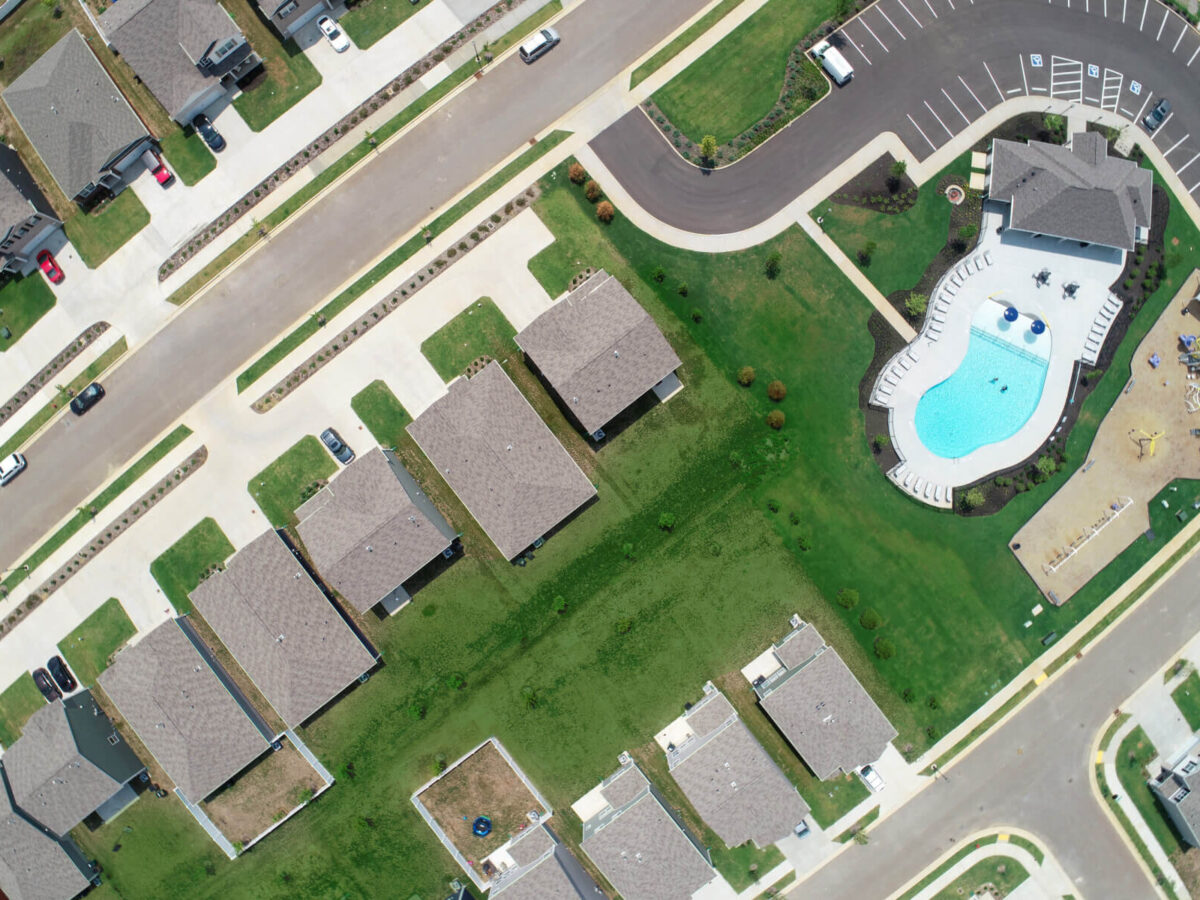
[(1010, 314), (1038, 326)]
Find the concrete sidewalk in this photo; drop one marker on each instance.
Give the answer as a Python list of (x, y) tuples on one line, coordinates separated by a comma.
[(1047, 880)]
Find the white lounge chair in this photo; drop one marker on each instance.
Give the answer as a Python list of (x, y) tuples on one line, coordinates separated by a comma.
[(967, 267), (931, 336), (987, 257), (918, 485), (884, 390), (938, 318), (905, 363), (908, 478), (928, 489), (937, 494), (934, 327), (978, 265), (912, 355)]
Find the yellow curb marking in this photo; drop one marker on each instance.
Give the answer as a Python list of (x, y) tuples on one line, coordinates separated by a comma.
[(1042, 677), (1099, 757)]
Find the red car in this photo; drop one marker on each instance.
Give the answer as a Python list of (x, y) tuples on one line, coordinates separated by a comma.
[(157, 167), (46, 260)]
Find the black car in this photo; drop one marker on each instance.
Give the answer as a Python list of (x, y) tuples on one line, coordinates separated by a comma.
[(204, 127), (337, 447), (87, 398), (45, 684), (1158, 115), (62, 675)]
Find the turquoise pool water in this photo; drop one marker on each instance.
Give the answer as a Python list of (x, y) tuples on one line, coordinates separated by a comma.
[(988, 398)]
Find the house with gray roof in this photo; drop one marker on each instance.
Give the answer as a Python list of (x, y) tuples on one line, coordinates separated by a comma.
[(282, 630), (498, 456), (181, 704), (600, 351), (34, 864), (1076, 192), (729, 778), (289, 16), (27, 220), (70, 762), (638, 842), (1177, 787), (543, 869), (820, 707), (77, 120), (371, 529), (189, 53)]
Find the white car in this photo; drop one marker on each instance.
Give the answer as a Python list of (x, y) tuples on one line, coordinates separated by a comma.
[(871, 778), (336, 37), (539, 45), (11, 467)]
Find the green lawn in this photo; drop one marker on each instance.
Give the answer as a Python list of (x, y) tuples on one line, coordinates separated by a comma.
[(98, 235), (290, 76), (382, 413), (673, 49), (88, 648), (738, 81), (30, 30), (289, 481), (20, 700), (187, 155), (859, 827), (1133, 757), (479, 330), (23, 300), (905, 242), (1187, 698), (734, 863), (1002, 871), (181, 566), (370, 20)]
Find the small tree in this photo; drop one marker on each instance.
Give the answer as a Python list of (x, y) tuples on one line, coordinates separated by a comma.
[(884, 648), (746, 376), (865, 254), (773, 265), (974, 498), (529, 697), (803, 542), (627, 550), (847, 598), (776, 418), (577, 173), (456, 682), (708, 149), (659, 274), (870, 619), (666, 521), (560, 604), (776, 390), (591, 190), (916, 304), (682, 290), (416, 711), (899, 167), (605, 211), (882, 441), (1046, 465), (624, 626)]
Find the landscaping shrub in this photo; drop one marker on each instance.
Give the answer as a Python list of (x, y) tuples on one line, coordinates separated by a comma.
[(870, 619), (666, 521), (605, 211), (865, 253), (560, 604), (697, 315), (746, 376), (773, 265), (708, 149), (776, 390), (881, 441), (624, 626), (591, 190), (847, 598), (682, 290), (776, 418), (659, 274), (803, 542), (416, 711), (577, 173), (1046, 465), (974, 498), (916, 304), (884, 648)]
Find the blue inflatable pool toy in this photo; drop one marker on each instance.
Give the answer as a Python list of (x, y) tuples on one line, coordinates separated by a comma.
[(482, 826)]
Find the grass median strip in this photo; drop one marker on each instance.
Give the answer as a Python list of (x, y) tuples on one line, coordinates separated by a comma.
[(84, 515), (673, 49), (395, 259), (858, 831)]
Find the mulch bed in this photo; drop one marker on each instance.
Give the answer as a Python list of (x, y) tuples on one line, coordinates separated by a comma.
[(42, 378), (876, 189)]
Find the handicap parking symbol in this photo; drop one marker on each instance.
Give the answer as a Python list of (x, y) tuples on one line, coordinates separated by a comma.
[(1135, 87), (1093, 71), (1035, 60)]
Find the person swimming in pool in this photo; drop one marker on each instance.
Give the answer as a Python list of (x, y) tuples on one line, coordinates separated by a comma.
[(1003, 389), (994, 380)]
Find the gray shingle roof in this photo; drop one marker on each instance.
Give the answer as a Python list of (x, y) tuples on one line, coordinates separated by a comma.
[(599, 350), (825, 713), (365, 534), (501, 460), (77, 120), (281, 629), (1080, 193), (271, 10), (731, 781), (799, 647), (181, 711), (33, 866)]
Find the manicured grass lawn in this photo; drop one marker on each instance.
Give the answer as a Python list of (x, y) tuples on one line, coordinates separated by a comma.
[(738, 81), (382, 413), (28, 32), (87, 649), (371, 20), (1187, 698), (286, 483), (905, 242), (187, 155), (1134, 755), (858, 827), (181, 566), (673, 49), (98, 235), (20, 700), (24, 300), (1002, 871), (479, 330), (735, 862), (289, 76)]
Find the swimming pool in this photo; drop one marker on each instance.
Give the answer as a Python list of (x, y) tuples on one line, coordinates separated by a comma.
[(990, 395)]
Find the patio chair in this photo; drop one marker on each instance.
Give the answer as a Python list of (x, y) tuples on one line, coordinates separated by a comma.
[(932, 337), (978, 265), (905, 363), (912, 355), (908, 479), (938, 318), (956, 280), (918, 485), (928, 489), (987, 257), (950, 289), (934, 327)]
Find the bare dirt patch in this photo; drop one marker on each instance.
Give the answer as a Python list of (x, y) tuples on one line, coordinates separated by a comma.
[(483, 784), (263, 794)]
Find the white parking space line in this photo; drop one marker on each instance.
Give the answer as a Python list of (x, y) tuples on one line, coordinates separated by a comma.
[(874, 35), (1066, 78), (1194, 52), (1175, 145), (993, 77), (1128, 112), (1161, 128), (893, 24), (932, 145), (939, 118), (1142, 24), (1179, 171), (1149, 94), (1193, 187), (910, 15), (1124, 6), (1166, 12), (1110, 90), (1182, 32), (951, 2), (853, 43), (931, 9), (972, 93), (955, 105), (1023, 77)]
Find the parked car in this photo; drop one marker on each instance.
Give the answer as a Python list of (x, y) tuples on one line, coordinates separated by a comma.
[(155, 165), (333, 34), (802, 830), (871, 778), (204, 127), (62, 675), (45, 259), (45, 684), (87, 398), (539, 45), (11, 467), (1158, 115), (337, 447)]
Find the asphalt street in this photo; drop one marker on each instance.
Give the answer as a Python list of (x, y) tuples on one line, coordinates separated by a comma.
[(304, 263), (946, 62)]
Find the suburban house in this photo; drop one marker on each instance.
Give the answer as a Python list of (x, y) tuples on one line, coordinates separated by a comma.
[(371, 529), (542, 869), (282, 630), (1177, 788), (289, 16), (189, 53), (185, 708), (35, 865), (640, 845), (26, 218), (78, 121), (818, 705), (1076, 192), (70, 762), (498, 456), (728, 776), (599, 351)]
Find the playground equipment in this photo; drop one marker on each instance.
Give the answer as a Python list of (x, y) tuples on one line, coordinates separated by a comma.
[(1191, 359), (1191, 398), (1155, 361), (1147, 443), (481, 827)]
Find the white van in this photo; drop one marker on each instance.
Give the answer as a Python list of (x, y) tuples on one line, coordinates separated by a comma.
[(835, 64)]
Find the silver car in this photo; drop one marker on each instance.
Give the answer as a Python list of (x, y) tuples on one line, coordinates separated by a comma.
[(11, 467), (539, 45)]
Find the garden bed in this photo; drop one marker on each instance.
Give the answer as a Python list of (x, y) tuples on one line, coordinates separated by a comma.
[(263, 795), (42, 378), (879, 188)]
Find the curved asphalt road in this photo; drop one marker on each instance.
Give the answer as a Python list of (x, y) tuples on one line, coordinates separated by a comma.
[(304, 263), (940, 62)]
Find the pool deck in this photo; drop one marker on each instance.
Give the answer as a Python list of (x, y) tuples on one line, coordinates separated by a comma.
[(1002, 267), (1077, 532)]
